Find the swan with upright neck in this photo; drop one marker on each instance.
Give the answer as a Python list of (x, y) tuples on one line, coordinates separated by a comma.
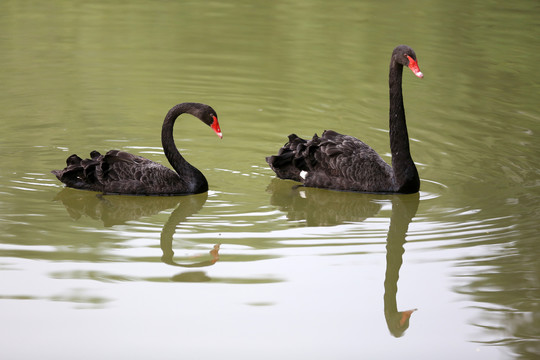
[(342, 162), (119, 172)]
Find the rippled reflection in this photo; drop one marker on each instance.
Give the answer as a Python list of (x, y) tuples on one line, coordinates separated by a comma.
[(166, 240), (403, 210), (320, 207), (116, 210)]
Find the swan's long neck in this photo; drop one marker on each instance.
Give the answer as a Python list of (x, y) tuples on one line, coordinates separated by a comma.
[(184, 169), (405, 173)]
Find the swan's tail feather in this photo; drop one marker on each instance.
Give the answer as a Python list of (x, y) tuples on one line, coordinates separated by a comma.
[(94, 155), (73, 160), (57, 173), (299, 157), (81, 173), (291, 159), (283, 166)]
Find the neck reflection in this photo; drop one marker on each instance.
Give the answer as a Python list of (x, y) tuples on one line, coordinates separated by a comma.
[(404, 208), (117, 210), (320, 207)]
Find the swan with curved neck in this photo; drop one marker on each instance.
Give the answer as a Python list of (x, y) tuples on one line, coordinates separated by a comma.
[(342, 162), (119, 172)]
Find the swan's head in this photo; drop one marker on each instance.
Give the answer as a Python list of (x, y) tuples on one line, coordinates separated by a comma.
[(406, 56), (205, 113), (215, 126), (210, 118)]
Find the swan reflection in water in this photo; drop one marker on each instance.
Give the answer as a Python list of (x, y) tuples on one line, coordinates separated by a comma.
[(320, 207), (325, 208), (117, 210), (404, 209)]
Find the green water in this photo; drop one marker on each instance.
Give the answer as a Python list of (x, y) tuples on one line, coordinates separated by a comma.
[(257, 268)]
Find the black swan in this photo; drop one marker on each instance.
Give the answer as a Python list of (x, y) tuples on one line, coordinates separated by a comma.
[(342, 162), (119, 172)]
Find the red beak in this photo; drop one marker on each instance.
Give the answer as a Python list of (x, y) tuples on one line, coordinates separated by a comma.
[(216, 128), (413, 65), (405, 315)]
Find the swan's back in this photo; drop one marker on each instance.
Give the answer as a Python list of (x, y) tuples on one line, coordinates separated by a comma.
[(333, 161), (119, 172)]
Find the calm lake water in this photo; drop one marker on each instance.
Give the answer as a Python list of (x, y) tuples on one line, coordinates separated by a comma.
[(257, 267)]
